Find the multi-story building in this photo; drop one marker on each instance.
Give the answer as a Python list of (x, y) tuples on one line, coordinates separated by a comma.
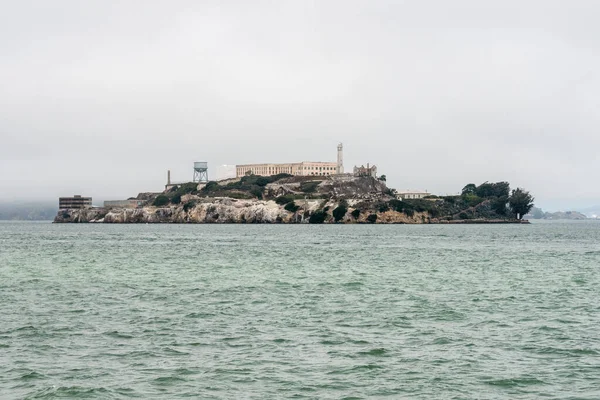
[(305, 168), (74, 202)]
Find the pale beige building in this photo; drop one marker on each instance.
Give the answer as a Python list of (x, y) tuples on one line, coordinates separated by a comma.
[(305, 168), (412, 194)]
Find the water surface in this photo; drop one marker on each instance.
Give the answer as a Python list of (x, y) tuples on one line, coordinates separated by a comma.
[(282, 311)]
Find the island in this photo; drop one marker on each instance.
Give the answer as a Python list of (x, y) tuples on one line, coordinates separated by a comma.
[(288, 199)]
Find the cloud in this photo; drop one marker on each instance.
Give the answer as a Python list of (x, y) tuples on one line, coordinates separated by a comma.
[(101, 97)]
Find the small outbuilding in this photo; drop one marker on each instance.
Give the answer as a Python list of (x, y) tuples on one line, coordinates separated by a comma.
[(412, 194)]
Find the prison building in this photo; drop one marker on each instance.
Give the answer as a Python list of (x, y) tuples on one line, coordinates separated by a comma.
[(74, 202), (305, 168), (365, 171)]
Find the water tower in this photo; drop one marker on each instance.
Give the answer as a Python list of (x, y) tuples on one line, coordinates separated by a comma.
[(201, 171)]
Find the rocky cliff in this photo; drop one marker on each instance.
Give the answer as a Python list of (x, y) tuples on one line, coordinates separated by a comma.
[(287, 199), (226, 210)]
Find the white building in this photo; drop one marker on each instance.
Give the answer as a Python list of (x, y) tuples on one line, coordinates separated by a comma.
[(412, 194), (305, 168), (225, 172)]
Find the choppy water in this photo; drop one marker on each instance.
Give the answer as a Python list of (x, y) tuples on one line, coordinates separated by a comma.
[(327, 312)]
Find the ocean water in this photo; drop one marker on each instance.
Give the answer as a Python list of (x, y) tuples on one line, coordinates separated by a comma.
[(304, 312)]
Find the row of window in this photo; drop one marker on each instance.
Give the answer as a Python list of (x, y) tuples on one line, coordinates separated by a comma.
[(320, 168)]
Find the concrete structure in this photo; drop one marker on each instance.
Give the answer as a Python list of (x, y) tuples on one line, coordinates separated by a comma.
[(74, 202), (365, 171), (305, 168), (340, 159), (226, 172), (412, 194), (200, 172), (123, 203)]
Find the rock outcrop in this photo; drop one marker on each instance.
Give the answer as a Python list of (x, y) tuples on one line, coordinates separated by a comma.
[(286, 199), (236, 211)]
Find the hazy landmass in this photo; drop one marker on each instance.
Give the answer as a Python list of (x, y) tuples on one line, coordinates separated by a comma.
[(591, 212), (28, 211), (538, 213)]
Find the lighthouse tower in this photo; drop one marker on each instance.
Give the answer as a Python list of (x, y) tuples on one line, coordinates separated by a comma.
[(340, 159)]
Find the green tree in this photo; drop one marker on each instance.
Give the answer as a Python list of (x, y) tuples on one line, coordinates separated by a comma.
[(498, 189), (383, 178), (520, 202), (355, 213), (499, 205), (469, 189), (372, 218)]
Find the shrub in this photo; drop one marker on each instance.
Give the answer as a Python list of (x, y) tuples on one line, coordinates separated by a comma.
[(189, 187), (372, 218), (189, 205), (176, 199), (310, 186), (383, 207), (318, 217), (291, 207), (434, 212), (239, 195), (339, 212), (160, 200), (450, 199), (472, 199), (397, 205), (257, 192), (409, 212), (262, 181), (281, 200), (499, 205), (211, 186), (277, 177), (463, 215), (355, 213)]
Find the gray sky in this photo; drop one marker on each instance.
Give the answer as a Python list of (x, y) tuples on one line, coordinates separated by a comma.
[(102, 97)]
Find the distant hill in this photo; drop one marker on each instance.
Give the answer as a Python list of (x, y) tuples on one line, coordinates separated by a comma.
[(591, 212), (538, 213), (28, 211)]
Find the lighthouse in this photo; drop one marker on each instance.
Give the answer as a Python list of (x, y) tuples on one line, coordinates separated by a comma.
[(340, 159)]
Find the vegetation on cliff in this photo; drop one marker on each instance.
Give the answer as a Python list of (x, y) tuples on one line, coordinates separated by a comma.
[(292, 199)]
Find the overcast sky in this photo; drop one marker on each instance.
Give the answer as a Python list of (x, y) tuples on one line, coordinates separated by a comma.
[(100, 98)]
